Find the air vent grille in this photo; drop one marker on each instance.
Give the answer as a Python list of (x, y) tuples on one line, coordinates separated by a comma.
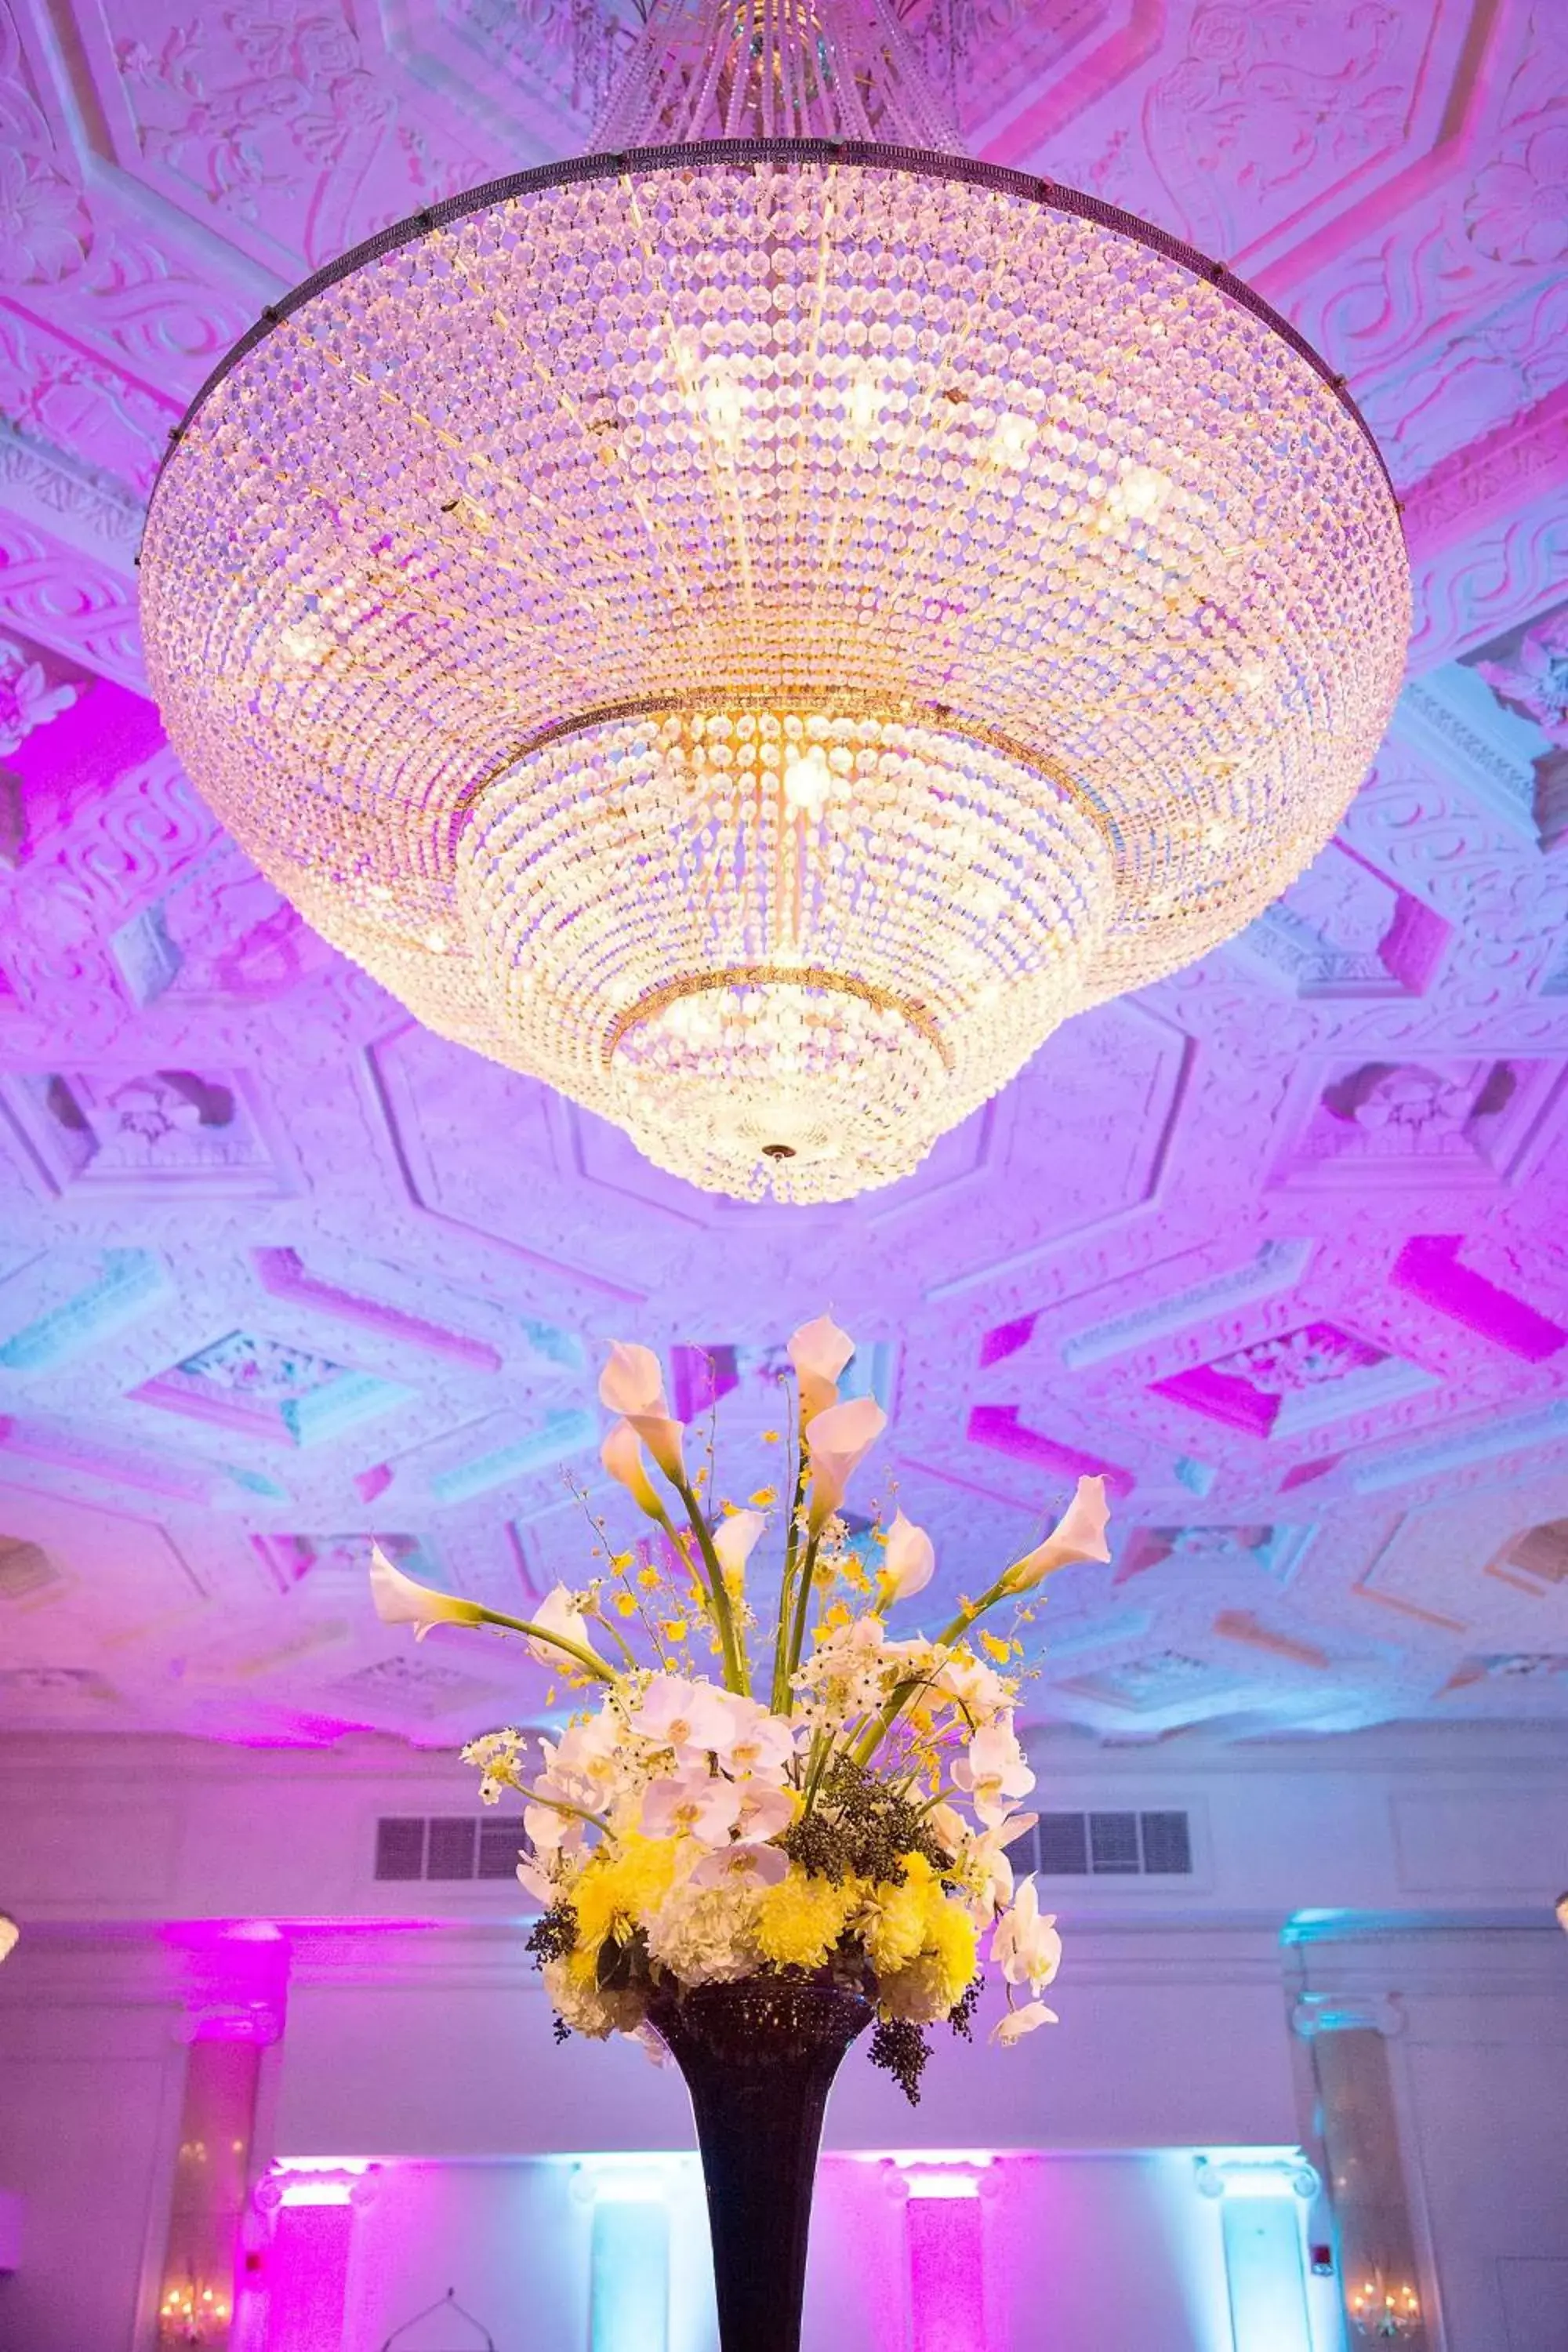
[(1110, 1845), (457, 1849), (450, 1847)]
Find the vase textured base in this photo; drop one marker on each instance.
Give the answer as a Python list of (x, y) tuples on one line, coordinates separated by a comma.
[(759, 2057)]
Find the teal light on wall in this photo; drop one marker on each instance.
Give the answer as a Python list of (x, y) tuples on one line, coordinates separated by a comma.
[(1264, 2274), (628, 2290)]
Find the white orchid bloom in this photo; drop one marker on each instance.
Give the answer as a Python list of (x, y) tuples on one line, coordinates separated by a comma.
[(622, 1456), (760, 1745), (1078, 1535), (697, 1804), (990, 1863), (535, 1883), (993, 1773), (764, 1812), (550, 1833), (740, 1866), (1019, 2021), (557, 1613), (1026, 1945), (651, 2042), (909, 1562), (632, 1384), (734, 1541), (819, 1351), (841, 1437), (690, 1716), (399, 1601), (978, 1688), (949, 1828)]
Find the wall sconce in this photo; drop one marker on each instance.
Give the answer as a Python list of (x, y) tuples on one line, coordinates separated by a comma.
[(9, 1932), (1382, 2312), (190, 2313), (1562, 1908)]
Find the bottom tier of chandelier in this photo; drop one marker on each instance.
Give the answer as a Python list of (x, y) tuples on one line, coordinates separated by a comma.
[(784, 943)]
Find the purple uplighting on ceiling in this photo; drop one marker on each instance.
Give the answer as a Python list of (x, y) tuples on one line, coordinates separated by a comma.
[(1277, 1246)]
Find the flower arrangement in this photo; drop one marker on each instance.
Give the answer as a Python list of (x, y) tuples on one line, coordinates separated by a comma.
[(804, 1798)]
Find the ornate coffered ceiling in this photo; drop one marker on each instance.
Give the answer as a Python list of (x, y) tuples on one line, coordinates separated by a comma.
[(1279, 1245)]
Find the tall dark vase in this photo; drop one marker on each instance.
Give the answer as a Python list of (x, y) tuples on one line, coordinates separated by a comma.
[(759, 2058)]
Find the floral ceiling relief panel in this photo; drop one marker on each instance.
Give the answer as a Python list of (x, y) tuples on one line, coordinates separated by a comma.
[(273, 125), (1278, 1246), (1281, 1386), (262, 1388), (145, 1131), (1417, 1124)]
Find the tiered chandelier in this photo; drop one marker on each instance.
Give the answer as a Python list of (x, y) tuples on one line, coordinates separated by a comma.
[(756, 624)]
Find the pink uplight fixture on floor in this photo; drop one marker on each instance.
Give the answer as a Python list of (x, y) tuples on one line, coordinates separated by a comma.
[(757, 625)]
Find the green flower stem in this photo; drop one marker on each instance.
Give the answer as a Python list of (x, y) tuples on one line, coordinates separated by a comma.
[(559, 1805), (735, 1675), (786, 1589), (587, 1659), (802, 1605), (615, 1634), (972, 1612)]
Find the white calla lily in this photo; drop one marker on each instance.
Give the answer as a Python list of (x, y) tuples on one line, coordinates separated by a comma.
[(841, 1437), (622, 1456), (558, 1614), (632, 1384), (734, 1539), (819, 1351), (909, 1562), (632, 1381), (1078, 1535), (399, 1601)]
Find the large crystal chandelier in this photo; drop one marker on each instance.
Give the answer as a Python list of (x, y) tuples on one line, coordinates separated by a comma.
[(756, 624)]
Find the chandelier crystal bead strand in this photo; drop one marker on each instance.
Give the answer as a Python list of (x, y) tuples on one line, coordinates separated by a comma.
[(757, 626)]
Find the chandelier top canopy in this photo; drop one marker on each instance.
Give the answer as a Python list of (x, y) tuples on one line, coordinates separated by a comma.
[(755, 631)]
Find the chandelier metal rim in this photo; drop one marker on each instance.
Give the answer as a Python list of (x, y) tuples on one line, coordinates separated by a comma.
[(815, 977), (866, 154), (848, 701)]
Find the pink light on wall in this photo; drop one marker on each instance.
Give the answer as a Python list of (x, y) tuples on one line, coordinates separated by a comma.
[(947, 2270), (308, 2268)]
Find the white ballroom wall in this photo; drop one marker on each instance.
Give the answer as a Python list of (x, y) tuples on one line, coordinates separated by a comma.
[(1407, 1875)]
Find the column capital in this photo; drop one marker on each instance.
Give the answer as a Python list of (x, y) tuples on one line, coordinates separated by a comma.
[(1348, 2012)]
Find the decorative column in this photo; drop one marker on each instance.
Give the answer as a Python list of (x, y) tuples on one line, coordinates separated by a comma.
[(218, 2115), (1380, 2275), (233, 1980)]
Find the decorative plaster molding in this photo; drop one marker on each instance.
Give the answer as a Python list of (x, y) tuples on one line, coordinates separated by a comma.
[(1277, 1265), (69, 601), (91, 512)]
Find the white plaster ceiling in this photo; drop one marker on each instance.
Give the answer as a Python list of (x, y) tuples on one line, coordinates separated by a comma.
[(1281, 1244)]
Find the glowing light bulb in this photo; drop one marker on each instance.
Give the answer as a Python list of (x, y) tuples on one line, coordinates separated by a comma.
[(865, 402), (1142, 492)]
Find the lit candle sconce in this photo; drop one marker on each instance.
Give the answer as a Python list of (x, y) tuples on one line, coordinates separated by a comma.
[(1385, 2312), (192, 2313)]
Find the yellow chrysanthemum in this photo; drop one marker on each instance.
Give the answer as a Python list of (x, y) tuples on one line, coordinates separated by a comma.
[(893, 1925), (800, 1920), (620, 1888), (583, 1968), (952, 1941)]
